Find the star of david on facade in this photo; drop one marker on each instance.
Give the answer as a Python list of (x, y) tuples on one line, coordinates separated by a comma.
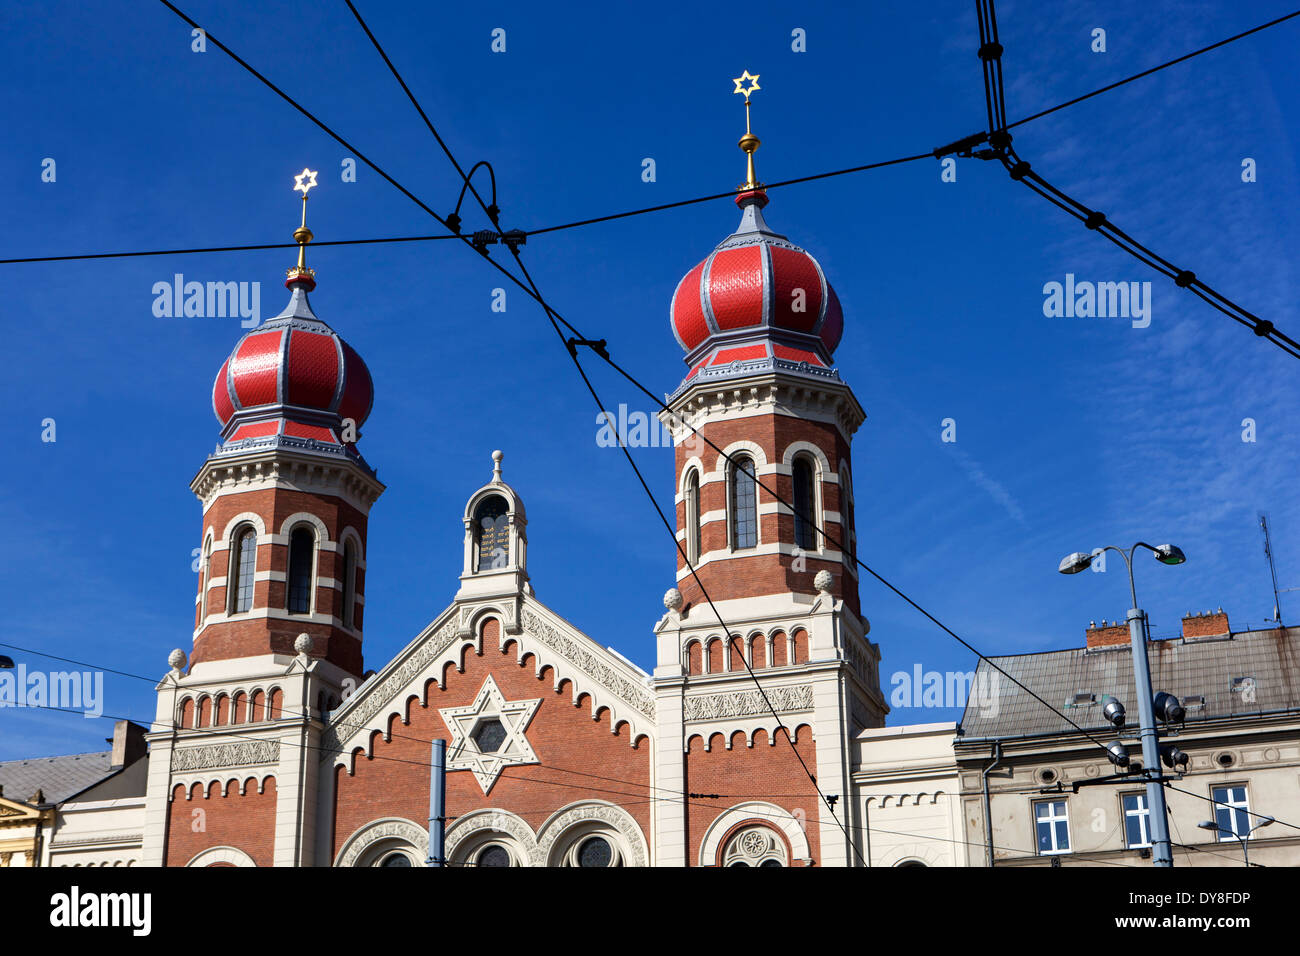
[(488, 735), (304, 181)]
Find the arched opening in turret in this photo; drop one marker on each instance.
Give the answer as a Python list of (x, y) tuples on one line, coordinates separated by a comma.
[(693, 517), (492, 533), (349, 583), (805, 504), (302, 547), (243, 567), (744, 504)]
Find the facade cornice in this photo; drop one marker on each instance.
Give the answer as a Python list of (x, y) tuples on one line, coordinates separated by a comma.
[(769, 392), (279, 468)]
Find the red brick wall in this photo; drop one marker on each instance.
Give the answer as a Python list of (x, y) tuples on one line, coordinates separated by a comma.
[(753, 575), (563, 736), (246, 822), (762, 772), (259, 635)]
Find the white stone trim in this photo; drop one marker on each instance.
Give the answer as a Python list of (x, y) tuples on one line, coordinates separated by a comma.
[(302, 517), (221, 854), (378, 837), (783, 821)]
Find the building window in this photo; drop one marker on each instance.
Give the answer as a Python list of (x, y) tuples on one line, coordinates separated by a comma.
[(755, 846), (1231, 811), (302, 545), (848, 534), (494, 854), (1137, 820), (1052, 823), (243, 567), (693, 517), (594, 850), (207, 576), (396, 859), (805, 505), (349, 583), (492, 528), (744, 504), (489, 736)]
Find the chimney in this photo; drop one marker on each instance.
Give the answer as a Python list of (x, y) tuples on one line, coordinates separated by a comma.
[(1107, 635), (128, 743), (1205, 624)]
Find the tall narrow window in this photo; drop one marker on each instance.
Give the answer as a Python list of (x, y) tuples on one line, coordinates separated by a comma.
[(848, 532), (805, 503), (302, 542), (492, 526), (693, 516), (744, 504), (243, 566), (349, 583), (207, 576)]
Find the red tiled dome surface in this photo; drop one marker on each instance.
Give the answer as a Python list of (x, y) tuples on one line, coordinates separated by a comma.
[(285, 365), (755, 279)]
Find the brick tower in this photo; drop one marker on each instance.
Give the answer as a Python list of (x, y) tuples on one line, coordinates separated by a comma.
[(280, 607), (759, 324)]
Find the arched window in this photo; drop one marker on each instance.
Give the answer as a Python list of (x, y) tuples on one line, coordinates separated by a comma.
[(848, 532), (744, 504), (206, 577), (491, 526), (754, 846), (243, 567), (302, 547), (805, 504), (693, 517), (349, 582)]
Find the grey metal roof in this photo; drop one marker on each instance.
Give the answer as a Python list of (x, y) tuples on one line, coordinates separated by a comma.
[(1213, 668), (59, 777)]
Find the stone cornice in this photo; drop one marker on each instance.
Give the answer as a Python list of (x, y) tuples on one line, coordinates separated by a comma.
[(828, 400), (312, 474)]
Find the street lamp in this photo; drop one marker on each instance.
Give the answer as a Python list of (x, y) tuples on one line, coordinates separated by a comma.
[(6, 663), (1243, 839), (1171, 711)]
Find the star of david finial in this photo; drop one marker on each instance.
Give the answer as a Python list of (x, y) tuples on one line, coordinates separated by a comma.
[(749, 142), (753, 84), (304, 181)]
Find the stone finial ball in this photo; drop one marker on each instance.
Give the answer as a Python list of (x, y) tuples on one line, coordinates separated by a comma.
[(302, 643), (823, 581), (176, 659), (673, 599)]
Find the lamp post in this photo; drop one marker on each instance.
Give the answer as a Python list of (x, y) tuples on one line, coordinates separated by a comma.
[(6, 663), (1243, 839), (1165, 554)]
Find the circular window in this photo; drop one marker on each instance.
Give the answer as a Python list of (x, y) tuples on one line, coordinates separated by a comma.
[(493, 855), (395, 859), (754, 846), (595, 852), (1226, 759)]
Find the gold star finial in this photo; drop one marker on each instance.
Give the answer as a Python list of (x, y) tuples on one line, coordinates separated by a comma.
[(749, 142), (303, 182), (753, 83)]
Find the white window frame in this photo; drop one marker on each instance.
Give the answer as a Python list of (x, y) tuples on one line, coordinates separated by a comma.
[(1051, 822), (1143, 815), (1228, 802)]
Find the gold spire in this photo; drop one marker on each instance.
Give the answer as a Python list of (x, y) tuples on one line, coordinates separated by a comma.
[(749, 142), (304, 181)]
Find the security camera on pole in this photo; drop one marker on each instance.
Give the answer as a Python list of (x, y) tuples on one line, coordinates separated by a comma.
[(1166, 705)]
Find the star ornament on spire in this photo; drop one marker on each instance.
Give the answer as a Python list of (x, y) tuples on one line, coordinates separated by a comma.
[(304, 181), (741, 80)]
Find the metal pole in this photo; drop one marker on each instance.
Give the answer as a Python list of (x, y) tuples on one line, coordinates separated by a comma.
[(437, 803), (1150, 742)]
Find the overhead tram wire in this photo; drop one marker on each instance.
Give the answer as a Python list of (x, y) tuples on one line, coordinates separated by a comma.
[(681, 202), (570, 347), (1154, 69), (1000, 148), (555, 316)]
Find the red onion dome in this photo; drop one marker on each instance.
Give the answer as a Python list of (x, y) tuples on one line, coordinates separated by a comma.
[(292, 381), (757, 281)]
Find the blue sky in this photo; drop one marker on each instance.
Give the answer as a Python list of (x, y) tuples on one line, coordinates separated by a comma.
[(1071, 433)]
